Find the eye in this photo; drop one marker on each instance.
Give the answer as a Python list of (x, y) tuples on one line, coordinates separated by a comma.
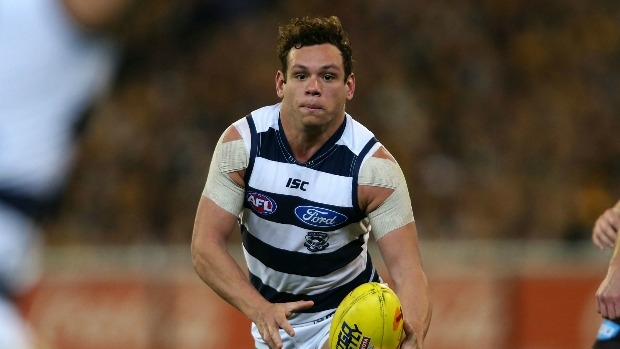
[(328, 77), (300, 76)]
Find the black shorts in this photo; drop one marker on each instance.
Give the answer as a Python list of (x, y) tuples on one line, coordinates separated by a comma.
[(608, 336)]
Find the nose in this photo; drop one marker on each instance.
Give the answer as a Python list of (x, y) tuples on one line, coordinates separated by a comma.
[(313, 88)]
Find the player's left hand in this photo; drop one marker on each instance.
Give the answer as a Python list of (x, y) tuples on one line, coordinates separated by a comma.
[(411, 340), (273, 317)]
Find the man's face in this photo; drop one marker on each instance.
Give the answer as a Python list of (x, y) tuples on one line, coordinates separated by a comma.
[(315, 91)]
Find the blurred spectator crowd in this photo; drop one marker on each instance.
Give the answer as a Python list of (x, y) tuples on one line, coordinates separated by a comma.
[(503, 114)]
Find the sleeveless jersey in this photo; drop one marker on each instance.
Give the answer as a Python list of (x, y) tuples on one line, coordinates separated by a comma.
[(304, 236)]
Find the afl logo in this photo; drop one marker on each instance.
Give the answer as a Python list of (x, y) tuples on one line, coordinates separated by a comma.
[(261, 204), (319, 217)]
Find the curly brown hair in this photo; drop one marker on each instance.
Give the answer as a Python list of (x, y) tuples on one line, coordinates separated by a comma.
[(306, 31)]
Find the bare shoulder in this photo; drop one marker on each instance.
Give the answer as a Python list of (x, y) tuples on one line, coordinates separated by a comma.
[(231, 134), (235, 154), (380, 170), (383, 153), (379, 176), (373, 189)]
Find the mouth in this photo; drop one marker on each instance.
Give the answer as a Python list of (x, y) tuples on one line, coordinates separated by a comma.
[(312, 107)]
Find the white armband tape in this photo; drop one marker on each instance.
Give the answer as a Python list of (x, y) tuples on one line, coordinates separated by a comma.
[(228, 157), (396, 210)]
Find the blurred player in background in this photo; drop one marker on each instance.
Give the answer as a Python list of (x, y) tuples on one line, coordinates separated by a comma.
[(52, 68), (605, 234), (303, 179)]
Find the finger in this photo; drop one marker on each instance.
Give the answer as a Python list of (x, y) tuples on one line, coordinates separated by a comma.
[(600, 299), (611, 220), (275, 339), (294, 307), (265, 333), (410, 336), (616, 313), (597, 241), (613, 216), (286, 326), (610, 238), (601, 309), (605, 310), (611, 312), (606, 237), (603, 234)]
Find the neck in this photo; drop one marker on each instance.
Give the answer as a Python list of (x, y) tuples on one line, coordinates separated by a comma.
[(306, 140), (305, 144)]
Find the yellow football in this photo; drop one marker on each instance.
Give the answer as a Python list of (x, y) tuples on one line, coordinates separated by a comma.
[(368, 317)]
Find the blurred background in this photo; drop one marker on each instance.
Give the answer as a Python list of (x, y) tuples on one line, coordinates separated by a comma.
[(511, 105), (502, 114)]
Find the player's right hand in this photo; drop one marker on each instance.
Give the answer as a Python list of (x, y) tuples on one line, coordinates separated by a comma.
[(273, 317), (605, 228), (608, 294), (410, 340)]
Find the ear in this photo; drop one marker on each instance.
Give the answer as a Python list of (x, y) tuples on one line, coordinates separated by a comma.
[(280, 82), (350, 84)]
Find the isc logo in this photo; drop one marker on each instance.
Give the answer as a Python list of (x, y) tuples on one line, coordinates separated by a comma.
[(262, 204), (295, 183)]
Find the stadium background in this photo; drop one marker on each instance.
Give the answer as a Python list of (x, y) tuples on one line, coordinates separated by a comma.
[(502, 114)]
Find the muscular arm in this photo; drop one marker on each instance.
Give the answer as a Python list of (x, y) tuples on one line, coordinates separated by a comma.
[(398, 243), (216, 218), (401, 255), (212, 261)]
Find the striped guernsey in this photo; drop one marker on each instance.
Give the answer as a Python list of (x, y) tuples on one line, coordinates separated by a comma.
[(304, 235)]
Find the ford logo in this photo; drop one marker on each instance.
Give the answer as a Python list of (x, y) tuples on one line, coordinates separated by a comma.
[(262, 204), (319, 217)]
